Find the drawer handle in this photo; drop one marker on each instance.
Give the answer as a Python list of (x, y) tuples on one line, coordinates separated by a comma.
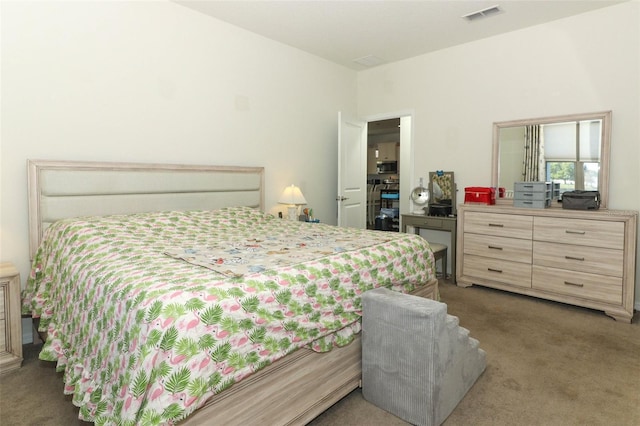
[(499, 225), (495, 248), (568, 231), (494, 270), (526, 194), (574, 284), (574, 258)]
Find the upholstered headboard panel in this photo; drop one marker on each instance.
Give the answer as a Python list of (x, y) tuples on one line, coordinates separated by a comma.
[(63, 189)]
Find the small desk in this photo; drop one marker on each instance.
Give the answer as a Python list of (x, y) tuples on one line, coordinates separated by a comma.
[(438, 223)]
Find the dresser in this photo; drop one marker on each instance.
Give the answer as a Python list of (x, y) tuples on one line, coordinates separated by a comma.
[(10, 318), (583, 258)]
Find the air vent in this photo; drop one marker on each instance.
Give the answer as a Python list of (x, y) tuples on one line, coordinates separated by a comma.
[(484, 13), (369, 61)]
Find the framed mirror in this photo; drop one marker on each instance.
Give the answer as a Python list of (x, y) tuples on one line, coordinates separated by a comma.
[(570, 150), (442, 193)]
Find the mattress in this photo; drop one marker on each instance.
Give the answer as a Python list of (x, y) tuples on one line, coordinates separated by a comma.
[(148, 315)]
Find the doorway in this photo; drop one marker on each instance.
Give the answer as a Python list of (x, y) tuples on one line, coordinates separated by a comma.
[(383, 174), (352, 195)]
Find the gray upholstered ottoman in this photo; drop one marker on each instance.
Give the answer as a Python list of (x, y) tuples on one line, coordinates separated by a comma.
[(417, 363)]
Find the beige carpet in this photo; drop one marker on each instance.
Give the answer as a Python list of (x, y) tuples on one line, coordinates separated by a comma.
[(547, 364)]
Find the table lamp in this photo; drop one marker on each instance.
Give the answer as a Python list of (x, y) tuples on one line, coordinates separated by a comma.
[(292, 196)]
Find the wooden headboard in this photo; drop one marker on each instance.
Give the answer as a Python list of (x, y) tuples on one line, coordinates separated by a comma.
[(63, 189)]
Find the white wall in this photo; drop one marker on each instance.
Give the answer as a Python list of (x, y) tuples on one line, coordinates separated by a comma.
[(157, 82), (586, 63)]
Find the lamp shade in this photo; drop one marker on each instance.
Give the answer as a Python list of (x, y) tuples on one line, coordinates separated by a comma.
[(292, 196)]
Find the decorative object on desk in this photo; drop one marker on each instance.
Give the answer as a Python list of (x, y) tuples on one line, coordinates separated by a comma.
[(532, 195), (442, 189), (292, 196), (307, 216), (420, 198), (581, 200), (440, 209), (479, 195)]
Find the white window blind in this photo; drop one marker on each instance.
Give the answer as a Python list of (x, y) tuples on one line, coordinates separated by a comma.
[(561, 141)]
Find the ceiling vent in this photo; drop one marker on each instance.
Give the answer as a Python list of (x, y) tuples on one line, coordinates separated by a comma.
[(484, 13), (369, 61)]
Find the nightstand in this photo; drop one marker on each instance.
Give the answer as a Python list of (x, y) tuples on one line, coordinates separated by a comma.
[(10, 319)]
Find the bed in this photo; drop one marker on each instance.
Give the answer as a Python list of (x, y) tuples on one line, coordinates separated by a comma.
[(207, 310)]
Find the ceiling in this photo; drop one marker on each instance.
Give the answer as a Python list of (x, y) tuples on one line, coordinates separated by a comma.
[(379, 31), (384, 127)]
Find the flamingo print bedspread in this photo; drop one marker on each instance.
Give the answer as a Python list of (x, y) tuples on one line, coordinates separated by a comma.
[(145, 337)]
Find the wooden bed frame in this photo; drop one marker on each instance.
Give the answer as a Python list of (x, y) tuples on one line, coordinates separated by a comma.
[(292, 390)]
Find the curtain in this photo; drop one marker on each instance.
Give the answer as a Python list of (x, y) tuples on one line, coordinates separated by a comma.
[(533, 168)]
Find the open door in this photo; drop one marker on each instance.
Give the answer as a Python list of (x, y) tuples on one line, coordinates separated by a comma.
[(352, 172)]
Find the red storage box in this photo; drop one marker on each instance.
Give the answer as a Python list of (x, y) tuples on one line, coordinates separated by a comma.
[(479, 195)]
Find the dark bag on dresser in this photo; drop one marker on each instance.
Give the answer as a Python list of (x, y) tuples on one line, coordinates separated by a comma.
[(581, 200)]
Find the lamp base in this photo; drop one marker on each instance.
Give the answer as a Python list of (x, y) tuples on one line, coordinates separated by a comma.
[(292, 211)]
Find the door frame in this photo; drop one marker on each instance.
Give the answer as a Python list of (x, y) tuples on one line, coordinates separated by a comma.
[(406, 153)]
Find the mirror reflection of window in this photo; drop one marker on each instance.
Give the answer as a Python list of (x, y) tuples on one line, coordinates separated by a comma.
[(572, 154)]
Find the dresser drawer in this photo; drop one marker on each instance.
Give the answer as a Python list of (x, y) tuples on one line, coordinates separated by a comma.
[(594, 260), (532, 204), (427, 222), (532, 196), (542, 187), (594, 287), (499, 225), (594, 233), (512, 249), (502, 271)]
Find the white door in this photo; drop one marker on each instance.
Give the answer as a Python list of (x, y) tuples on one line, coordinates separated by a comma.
[(352, 172)]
